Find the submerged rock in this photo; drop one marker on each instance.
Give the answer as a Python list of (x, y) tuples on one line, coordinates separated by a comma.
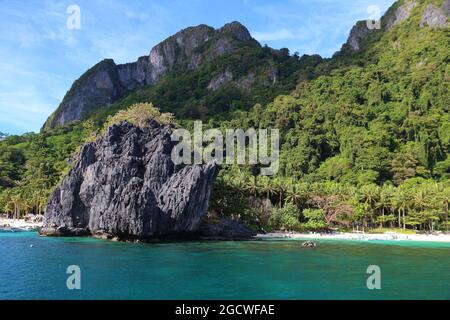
[(125, 185), (62, 231), (309, 244)]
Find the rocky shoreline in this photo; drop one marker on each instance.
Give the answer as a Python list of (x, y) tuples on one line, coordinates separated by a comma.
[(210, 229)]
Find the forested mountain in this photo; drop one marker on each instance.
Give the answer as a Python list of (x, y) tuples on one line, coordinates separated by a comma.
[(3, 135), (198, 71), (365, 134)]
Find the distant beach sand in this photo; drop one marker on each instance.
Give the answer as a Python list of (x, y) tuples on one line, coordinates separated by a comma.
[(390, 236), (19, 224)]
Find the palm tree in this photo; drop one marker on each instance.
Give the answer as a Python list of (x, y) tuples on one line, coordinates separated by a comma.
[(5, 202), (369, 196), (446, 202), (441, 201), (42, 203), (251, 185), (238, 182), (267, 187), (400, 202), (296, 194), (385, 201), (36, 201), (431, 216), (280, 186), (16, 201), (419, 202)]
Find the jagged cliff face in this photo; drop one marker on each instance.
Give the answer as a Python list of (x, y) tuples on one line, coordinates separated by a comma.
[(193, 48), (402, 13), (357, 34), (106, 82), (436, 17), (99, 86), (126, 185), (432, 16)]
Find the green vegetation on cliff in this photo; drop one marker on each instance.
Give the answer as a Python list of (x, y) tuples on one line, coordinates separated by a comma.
[(365, 135), (369, 139)]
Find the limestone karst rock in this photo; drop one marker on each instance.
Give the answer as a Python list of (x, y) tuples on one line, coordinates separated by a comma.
[(107, 82), (432, 16), (436, 17), (401, 13), (357, 34), (125, 185)]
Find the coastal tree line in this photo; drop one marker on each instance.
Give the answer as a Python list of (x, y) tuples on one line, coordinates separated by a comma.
[(365, 143), (417, 204), (32, 164), (16, 203)]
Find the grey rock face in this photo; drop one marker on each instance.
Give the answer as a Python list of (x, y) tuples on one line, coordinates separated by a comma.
[(126, 185), (177, 49), (357, 34), (446, 7), (217, 82), (248, 80), (434, 17), (106, 82), (402, 13), (100, 85), (236, 30)]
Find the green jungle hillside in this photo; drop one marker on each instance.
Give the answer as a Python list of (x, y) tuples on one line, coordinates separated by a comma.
[(365, 135)]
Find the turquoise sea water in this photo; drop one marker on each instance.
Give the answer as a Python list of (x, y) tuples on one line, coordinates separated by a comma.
[(32, 267)]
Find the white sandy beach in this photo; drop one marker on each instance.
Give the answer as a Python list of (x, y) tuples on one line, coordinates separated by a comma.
[(19, 224), (359, 236)]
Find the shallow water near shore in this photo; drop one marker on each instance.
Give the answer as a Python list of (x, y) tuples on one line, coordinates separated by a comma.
[(33, 267)]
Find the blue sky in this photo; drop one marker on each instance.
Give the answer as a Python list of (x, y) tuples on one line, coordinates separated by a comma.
[(40, 57)]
